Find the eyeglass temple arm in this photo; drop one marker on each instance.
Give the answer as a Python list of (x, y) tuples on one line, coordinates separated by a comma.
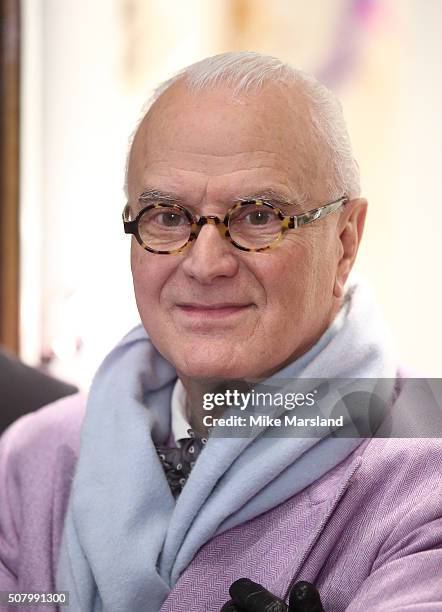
[(319, 213), (130, 227)]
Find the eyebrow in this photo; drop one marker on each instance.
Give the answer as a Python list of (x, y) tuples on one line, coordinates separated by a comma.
[(156, 194), (268, 194), (271, 195)]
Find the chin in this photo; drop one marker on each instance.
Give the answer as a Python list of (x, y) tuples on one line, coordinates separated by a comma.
[(210, 371), (200, 363)]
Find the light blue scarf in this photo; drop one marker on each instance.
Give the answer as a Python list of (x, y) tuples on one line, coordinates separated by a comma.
[(125, 540)]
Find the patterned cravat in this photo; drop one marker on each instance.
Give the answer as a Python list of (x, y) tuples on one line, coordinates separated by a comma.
[(178, 462)]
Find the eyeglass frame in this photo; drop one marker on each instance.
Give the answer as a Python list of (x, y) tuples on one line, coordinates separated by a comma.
[(197, 223)]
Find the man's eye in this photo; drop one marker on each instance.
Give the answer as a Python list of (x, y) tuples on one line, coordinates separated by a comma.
[(258, 217), (170, 219)]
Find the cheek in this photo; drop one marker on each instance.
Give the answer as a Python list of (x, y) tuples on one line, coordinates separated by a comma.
[(140, 273), (300, 284), (149, 272), (288, 269)]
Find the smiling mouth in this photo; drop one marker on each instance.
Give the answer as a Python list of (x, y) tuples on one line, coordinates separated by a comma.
[(213, 310)]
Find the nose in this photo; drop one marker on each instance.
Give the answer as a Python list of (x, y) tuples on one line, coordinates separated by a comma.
[(210, 257)]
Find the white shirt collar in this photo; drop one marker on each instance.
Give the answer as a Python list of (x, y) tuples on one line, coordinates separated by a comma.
[(180, 424)]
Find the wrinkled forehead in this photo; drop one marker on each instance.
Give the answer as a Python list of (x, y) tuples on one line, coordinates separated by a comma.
[(213, 131)]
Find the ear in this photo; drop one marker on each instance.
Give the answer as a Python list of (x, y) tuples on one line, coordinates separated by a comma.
[(350, 228)]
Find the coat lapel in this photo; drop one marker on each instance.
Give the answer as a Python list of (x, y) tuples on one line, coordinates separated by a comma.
[(324, 497), (270, 549)]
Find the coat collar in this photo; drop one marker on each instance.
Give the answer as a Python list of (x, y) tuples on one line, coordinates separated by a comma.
[(321, 500)]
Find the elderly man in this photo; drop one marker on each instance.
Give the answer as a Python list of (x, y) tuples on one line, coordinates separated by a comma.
[(244, 206)]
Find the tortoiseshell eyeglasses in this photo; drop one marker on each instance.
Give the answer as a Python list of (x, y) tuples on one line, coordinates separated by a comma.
[(254, 225)]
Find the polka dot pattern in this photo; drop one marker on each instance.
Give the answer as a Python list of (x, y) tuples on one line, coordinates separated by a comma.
[(178, 462)]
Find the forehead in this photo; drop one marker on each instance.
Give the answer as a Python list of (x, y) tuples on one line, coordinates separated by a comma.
[(210, 142)]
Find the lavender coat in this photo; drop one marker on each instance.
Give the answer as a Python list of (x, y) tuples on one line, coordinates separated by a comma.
[(368, 533)]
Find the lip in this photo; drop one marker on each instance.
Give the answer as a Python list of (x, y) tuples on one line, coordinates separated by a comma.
[(224, 309)]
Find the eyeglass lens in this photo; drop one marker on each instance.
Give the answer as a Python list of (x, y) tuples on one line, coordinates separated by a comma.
[(252, 226), (164, 229)]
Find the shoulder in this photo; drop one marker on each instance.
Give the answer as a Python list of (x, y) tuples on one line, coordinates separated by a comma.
[(39, 451), (399, 478), (38, 456), (414, 458), (385, 477), (43, 432), (407, 452)]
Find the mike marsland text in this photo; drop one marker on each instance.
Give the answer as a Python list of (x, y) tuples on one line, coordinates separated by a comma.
[(289, 420)]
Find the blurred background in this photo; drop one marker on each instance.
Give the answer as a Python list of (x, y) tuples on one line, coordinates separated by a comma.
[(75, 75)]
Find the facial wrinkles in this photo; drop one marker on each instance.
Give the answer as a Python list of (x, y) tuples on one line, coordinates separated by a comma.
[(285, 112), (178, 167), (252, 284), (214, 180), (210, 197), (172, 152), (244, 286), (175, 282)]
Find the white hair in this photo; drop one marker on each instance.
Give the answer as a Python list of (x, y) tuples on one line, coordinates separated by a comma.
[(244, 71)]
